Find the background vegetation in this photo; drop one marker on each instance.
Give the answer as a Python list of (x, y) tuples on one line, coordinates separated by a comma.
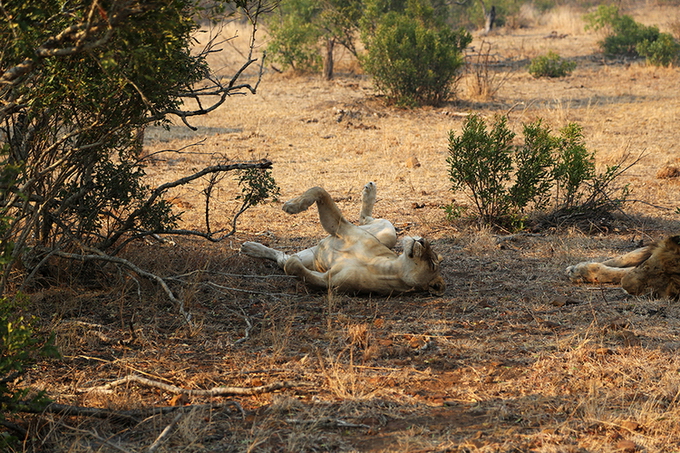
[(513, 356)]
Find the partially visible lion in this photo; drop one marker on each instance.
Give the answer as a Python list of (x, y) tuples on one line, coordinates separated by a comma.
[(653, 270), (356, 259)]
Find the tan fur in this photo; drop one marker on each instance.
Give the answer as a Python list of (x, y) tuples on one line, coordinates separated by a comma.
[(653, 270), (356, 258)]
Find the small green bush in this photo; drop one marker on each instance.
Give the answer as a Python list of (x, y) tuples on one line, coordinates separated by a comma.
[(19, 346), (623, 34), (412, 59), (551, 65), (481, 161), (294, 36), (546, 171), (665, 51)]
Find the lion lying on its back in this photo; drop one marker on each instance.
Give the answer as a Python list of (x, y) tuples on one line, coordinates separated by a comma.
[(356, 258), (653, 270)]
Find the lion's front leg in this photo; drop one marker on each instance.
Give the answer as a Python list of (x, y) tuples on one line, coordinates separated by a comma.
[(294, 266)]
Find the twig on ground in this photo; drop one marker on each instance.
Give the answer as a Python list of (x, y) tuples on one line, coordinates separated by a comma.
[(215, 391), (94, 434), (227, 288), (165, 433), (327, 421), (249, 327)]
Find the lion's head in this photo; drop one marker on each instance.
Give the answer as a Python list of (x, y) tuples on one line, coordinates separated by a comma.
[(422, 266)]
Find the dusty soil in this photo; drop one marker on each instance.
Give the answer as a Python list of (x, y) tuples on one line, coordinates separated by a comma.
[(514, 357)]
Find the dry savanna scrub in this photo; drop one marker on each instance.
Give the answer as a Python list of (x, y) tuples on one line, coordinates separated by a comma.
[(513, 357)]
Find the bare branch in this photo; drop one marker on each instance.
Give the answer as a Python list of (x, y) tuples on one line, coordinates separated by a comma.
[(99, 256), (213, 392), (128, 224)]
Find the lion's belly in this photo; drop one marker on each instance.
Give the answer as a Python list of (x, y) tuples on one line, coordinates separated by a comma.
[(334, 253)]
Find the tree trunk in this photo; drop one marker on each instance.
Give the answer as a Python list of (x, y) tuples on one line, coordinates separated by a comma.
[(328, 61), (490, 18)]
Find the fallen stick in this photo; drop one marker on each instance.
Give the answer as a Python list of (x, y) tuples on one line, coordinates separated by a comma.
[(215, 391)]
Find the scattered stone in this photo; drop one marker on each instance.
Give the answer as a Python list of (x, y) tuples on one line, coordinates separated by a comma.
[(626, 446), (630, 425), (554, 35), (412, 162), (561, 301)]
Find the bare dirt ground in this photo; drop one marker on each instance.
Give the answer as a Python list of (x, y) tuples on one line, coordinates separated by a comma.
[(513, 357)]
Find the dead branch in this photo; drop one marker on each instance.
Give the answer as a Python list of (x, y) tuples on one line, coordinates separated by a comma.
[(130, 416), (213, 392), (165, 433), (128, 224), (99, 256)]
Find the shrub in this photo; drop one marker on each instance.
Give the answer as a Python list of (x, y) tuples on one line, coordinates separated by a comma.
[(481, 161), (19, 346), (665, 51), (623, 34), (412, 59), (504, 180), (295, 37), (551, 65)]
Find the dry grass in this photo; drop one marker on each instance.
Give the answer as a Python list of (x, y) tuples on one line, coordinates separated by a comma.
[(512, 358)]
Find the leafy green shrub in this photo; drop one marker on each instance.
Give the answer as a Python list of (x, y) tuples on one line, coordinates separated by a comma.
[(665, 51), (574, 164), (623, 34), (295, 37), (481, 161), (19, 346), (504, 179), (413, 59), (551, 65)]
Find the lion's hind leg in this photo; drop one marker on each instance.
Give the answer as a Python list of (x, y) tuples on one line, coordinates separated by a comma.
[(630, 259), (596, 273), (611, 270), (330, 215)]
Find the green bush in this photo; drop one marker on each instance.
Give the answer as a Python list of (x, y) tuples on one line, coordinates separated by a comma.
[(481, 161), (413, 59), (665, 51), (574, 165), (546, 171), (623, 34), (551, 65), (19, 346), (295, 37)]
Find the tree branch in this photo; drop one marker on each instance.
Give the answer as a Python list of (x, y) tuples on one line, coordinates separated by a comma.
[(100, 256)]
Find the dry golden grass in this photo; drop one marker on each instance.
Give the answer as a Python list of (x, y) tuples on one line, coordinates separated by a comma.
[(512, 358)]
